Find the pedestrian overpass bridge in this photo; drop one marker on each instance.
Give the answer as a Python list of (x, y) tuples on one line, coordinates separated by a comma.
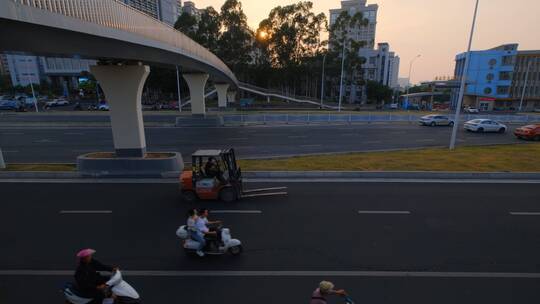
[(126, 42)]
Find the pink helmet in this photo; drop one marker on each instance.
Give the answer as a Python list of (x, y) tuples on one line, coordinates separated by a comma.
[(85, 252)]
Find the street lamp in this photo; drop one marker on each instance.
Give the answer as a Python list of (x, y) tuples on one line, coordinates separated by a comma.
[(410, 72), (322, 81), (342, 74), (463, 78), (525, 85)]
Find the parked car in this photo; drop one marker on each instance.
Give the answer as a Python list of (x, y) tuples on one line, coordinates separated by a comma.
[(436, 120), (530, 132), (11, 105), (103, 107), (485, 125), (471, 110), (394, 106), (56, 103)]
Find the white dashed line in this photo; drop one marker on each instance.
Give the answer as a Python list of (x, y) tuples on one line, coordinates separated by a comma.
[(383, 212), (236, 212), (525, 213), (86, 212)]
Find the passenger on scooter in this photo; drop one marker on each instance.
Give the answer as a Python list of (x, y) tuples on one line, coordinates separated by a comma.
[(196, 234), (325, 288), (90, 283)]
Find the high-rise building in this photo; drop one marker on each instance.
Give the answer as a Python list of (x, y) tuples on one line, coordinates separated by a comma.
[(189, 8), (381, 65), (369, 12), (496, 78)]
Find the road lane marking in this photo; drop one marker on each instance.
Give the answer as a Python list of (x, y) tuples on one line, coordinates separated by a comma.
[(12, 133), (86, 212), (310, 146), (373, 142), (239, 138), (382, 212), (44, 141), (525, 213), (348, 134), (293, 137), (236, 211), (74, 133), (277, 273), (10, 151), (425, 140)]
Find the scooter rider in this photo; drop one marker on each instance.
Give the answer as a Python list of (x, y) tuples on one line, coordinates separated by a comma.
[(196, 234), (325, 288), (90, 283), (210, 229)]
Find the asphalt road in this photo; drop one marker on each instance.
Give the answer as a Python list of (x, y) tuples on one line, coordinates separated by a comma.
[(464, 243), (65, 144)]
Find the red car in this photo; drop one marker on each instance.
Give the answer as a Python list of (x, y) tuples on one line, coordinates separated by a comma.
[(530, 132)]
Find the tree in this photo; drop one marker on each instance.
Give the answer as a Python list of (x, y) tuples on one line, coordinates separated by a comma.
[(208, 29), (187, 24), (378, 92), (236, 41), (292, 34), (339, 39)]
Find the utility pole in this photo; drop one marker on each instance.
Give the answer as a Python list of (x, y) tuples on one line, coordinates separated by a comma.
[(178, 88), (525, 85), (463, 78), (410, 73)]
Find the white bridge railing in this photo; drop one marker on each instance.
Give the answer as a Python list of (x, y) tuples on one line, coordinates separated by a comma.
[(117, 15)]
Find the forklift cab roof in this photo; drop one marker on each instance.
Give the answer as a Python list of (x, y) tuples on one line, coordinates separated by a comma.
[(207, 153)]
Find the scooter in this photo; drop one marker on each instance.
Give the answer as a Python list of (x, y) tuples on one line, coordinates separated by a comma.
[(230, 245), (119, 290)]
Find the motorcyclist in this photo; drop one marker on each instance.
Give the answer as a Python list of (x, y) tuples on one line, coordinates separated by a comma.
[(194, 232), (210, 229), (90, 283)]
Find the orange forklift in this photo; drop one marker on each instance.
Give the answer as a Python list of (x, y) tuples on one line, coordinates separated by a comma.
[(224, 182)]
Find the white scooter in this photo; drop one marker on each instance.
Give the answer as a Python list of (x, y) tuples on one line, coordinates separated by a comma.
[(233, 246), (122, 292)]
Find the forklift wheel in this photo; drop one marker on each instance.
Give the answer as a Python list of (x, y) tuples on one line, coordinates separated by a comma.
[(189, 196), (227, 195)]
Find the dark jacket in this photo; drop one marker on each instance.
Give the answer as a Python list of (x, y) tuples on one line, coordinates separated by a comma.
[(88, 277)]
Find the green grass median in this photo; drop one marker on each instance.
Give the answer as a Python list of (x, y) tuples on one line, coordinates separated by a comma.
[(499, 158)]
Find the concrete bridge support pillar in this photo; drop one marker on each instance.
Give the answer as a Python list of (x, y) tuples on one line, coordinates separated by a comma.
[(196, 84), (123, 86), (222, 90)]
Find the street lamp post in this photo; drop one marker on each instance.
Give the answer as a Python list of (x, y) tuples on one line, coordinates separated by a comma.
[(178, 88), (463, 78), (342, 76), (322, 80), (525, 85), (410, 73)]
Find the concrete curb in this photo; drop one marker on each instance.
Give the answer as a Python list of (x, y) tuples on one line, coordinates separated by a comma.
[(393, 175), (296, 175)]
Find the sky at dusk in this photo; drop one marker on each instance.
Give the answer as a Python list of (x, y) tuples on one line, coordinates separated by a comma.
[(436, 29)]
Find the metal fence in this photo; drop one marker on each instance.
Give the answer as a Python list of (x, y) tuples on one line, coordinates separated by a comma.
[(315, 118), (118, 15)]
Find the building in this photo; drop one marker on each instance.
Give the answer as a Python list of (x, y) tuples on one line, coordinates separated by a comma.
[(189, 8), (4, 68), (496, 79), (64, 72), (404, 82), (366, 34), (381, 65), (163, 10)]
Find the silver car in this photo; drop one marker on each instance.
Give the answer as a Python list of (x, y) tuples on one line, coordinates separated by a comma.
[(485, 125), (436, 120)]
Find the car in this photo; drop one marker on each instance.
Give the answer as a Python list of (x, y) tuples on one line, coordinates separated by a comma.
[(471, 110), (56, 103), (394, 106), (529, 132), (11, 105), (436, 120), (103, 107), (485, 125)]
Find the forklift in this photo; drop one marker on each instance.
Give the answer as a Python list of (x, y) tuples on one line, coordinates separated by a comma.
[(223, 183)]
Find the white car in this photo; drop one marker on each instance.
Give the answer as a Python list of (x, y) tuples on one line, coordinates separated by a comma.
[(485, 125), (436, 120), (57, 103), (103, 107), (472, 110)]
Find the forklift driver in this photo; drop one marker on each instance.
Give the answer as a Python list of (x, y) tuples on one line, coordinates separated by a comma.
[(212, 170)]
